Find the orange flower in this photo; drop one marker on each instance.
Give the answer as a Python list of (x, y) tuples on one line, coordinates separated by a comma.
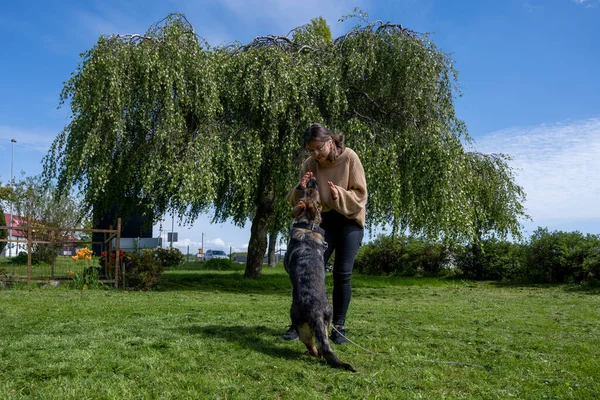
[(74, 258), (89, 258), (71, 273), (103, 254)]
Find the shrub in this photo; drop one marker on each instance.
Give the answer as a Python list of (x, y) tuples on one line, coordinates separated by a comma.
[(141, 272), (21, 259), (491, 259), (380, 257), (43, 254), (591, 267), (169, 257), (557, 257), (405, 256)]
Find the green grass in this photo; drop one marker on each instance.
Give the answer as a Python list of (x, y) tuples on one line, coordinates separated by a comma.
[(214, 334), (62, 266)]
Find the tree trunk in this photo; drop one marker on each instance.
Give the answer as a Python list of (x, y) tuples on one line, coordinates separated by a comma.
[(271, 254), (258, 232)]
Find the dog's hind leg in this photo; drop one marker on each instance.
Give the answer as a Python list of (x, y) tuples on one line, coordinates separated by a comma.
[(320, 331), (306, 337)]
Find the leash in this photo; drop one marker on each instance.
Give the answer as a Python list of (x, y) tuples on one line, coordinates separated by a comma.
[(356, 344), (487, 368)]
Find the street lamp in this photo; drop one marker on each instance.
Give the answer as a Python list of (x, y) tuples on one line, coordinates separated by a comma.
[(12, 185)]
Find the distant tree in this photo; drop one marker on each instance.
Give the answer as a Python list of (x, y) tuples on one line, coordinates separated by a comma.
[(190, 127), (315, 33), (39, 205)]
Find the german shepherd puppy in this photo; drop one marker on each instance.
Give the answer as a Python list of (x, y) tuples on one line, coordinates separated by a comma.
[(310, 313)]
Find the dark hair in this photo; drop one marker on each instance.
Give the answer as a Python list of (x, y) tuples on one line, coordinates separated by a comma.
[(321, 134)]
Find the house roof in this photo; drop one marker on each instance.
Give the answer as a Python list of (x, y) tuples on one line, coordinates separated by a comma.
[(16, 222)]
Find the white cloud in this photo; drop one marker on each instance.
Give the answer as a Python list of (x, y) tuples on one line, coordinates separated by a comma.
[(587, 3), (558, 166), (30, 140), (288, 14)]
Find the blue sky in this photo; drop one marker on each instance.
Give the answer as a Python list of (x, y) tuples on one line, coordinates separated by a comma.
[(528, 72)]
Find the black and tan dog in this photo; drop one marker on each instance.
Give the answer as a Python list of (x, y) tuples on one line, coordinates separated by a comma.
[(310, 313)]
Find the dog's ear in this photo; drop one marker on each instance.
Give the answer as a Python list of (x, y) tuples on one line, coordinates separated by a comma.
[(300, 207)]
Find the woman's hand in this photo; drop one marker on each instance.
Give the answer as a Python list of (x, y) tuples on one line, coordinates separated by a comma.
[(304, 180), (334, 190)]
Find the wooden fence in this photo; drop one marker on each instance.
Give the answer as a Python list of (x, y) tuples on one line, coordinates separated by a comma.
[(60, 238)]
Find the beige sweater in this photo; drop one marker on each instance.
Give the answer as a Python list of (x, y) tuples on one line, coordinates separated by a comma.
[(347, 174)]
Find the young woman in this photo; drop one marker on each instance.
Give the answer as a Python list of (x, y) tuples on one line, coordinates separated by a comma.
[(343, 191)]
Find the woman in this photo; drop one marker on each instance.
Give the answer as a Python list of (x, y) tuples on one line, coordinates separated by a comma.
[(343, 191)]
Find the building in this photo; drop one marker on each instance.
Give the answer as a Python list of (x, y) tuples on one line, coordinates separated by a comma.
[(12, 249)]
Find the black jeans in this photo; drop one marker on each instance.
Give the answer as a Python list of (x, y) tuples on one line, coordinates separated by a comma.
[(344, 236)]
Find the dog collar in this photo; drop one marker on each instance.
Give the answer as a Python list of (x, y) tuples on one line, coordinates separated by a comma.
[(312, 227)]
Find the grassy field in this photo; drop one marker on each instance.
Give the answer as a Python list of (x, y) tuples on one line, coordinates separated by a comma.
[(213, 334)]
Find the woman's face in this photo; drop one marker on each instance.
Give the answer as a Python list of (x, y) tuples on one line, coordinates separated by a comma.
[(319, 150)]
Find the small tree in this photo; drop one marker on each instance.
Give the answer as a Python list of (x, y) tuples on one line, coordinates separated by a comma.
[(39, 205)]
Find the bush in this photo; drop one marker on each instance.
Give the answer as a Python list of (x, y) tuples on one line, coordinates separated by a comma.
[(43, 254), (21, 259), (557, 257), (169, 257), (404, 256), (380, 257), (141, 272), (491, 259)]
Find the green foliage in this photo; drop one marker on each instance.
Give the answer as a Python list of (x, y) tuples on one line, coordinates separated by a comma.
[(315, 33), (21, 259), (168, 257), (556, 257), (141, 272), (403, 256), (491, 259), (40, 205), (186, 127), (88, 279), (548, 257)]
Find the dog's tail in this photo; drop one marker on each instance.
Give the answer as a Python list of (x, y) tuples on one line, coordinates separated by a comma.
[(320, 332)]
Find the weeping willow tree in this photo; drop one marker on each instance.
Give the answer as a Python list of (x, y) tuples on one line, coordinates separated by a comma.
[(178, 126)]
